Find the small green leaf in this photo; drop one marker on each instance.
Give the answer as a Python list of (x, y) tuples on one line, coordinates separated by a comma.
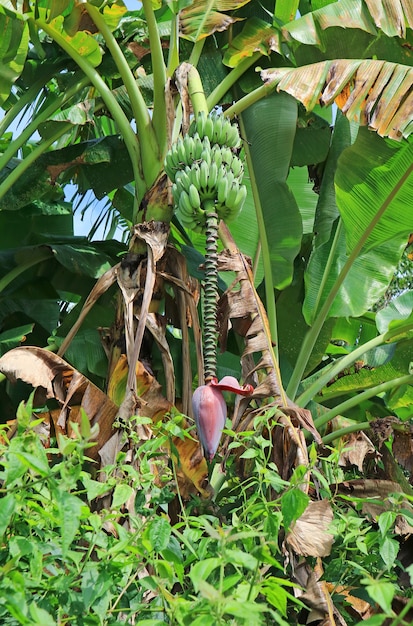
[(389, 549), (238, 557), (7, 508), (293, 504), (249, 454), (159, 533), (94, 488), (385, 521), (69, 507), (34, 462), (121, 495), (40, 616), (380, 592), (200, 571)]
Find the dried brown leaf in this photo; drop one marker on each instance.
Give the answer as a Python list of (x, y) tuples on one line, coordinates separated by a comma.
[(241, 302), (241, 305), (310, 534), (372, 92), (101, 286), (41, 368), (315, 594), (355, 448)]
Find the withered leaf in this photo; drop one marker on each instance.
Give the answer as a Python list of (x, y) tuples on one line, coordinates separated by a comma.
[(42, 368), (310, 534)]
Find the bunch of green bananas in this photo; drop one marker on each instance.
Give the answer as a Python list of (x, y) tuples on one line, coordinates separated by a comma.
[(206, 172)]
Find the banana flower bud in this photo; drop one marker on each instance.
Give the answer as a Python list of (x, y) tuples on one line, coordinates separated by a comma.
[(210, 410)]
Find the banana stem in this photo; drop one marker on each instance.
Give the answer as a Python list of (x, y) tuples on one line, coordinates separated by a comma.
[(211, 293), (196, 92)]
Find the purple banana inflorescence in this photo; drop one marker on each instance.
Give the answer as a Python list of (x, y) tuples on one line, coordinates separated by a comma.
[(210, 410)]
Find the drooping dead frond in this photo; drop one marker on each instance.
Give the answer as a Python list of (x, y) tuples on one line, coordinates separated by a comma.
[(241, 307), (375, 93), (41, 368)]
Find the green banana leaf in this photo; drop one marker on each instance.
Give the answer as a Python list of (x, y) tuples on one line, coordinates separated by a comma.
[(375, 177), (364, 194), (269, 126), (14, 44)]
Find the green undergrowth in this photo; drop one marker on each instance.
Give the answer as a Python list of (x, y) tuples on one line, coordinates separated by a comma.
[(83, 549)]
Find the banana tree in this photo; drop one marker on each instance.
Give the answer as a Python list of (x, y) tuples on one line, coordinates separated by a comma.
[(118, 93)]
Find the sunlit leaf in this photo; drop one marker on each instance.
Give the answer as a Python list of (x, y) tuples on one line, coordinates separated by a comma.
[(201, 19), (86, 45), (374, 178), (286, 11), (373, 181), (14, 45), (256, 36)]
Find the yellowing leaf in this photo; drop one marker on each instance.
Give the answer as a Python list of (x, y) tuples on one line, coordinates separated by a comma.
[(374, 93), (201, 18)]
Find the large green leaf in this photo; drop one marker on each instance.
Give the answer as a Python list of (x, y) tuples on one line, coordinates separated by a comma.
[(374, 177), (269, 127), (344, 135), (365, 283), (305, 196), (324, 223), (366, 193), (14, 43), (346, 13), (246, 234)]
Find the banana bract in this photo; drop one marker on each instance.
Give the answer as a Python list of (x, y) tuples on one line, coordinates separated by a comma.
[(210, 410)]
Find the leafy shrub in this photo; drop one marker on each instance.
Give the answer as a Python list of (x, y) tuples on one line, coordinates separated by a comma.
[(85, 551)]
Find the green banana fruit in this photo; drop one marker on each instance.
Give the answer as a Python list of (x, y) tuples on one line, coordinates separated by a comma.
[(185, 205), (203, 176), (194, 197)]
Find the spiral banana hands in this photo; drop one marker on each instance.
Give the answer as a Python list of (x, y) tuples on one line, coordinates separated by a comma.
[(205, 170)]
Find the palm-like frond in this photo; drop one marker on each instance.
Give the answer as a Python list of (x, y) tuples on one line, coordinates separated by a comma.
[(374, 93)]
